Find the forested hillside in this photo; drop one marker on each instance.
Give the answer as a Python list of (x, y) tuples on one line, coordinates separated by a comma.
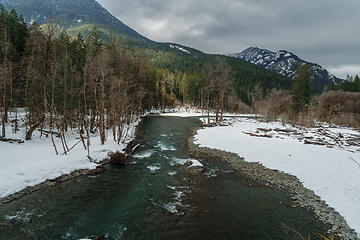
[(87, 83), (352, 84), (69, 82), (246, 78), (183, 62)]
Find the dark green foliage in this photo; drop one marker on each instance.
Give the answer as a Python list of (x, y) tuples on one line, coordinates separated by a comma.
[(70, 14), (184, 69), (71, 82), (246, 76), (185, 66), (352, 84), (16, 28), (301, 89)]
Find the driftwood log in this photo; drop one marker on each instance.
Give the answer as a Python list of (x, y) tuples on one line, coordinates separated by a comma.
[(48, 132), (121, 158), (11, 140)]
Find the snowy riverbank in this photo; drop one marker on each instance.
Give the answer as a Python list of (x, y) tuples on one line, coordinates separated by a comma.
[(325, 159), (33, 162), (195, 112)]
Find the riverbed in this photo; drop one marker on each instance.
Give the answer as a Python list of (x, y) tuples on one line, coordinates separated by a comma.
[(155, 198)]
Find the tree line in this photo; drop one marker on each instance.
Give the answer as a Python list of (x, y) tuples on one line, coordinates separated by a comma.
[(65, 82), (71, 82), (352, 84), (339, 104)]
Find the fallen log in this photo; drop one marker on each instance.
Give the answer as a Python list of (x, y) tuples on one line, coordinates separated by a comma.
[(258, 135), (11, 140), (264, 129), (314, 143), (48, 132)]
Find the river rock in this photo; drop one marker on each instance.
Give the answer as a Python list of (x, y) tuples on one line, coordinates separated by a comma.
[(196, 170)]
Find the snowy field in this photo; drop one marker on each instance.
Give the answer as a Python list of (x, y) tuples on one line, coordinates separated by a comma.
[(33, 162), (326, 159)]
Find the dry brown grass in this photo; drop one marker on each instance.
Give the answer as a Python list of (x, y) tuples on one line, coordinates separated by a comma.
[(339, 107), (234, 104), (335, 107), (275, 105)]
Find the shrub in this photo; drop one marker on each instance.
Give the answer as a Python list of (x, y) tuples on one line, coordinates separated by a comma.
[(339, 107), (278, 104)]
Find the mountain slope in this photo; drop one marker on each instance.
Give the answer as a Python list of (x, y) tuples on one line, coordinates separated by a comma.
[(81, 16), (69, 14), (286, 63)]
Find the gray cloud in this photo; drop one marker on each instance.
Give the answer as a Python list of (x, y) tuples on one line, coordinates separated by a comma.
[(322, 31)]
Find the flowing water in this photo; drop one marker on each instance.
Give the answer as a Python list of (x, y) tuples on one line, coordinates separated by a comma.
[(153, 198)]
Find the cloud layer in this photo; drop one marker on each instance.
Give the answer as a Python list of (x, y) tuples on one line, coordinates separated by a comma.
[(321, 31)]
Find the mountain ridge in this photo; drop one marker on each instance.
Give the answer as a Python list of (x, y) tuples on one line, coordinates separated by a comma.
[(82, 16), (285, 63), (68, 14)]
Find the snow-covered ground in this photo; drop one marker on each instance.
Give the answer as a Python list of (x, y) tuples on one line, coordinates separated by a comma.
[(326, 159), (33, 162), (181, 112), (194, 112)]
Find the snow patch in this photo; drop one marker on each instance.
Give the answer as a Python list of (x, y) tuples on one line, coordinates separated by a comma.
[(179, 48)]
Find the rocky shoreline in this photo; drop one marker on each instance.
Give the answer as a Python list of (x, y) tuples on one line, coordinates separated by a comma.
[(301, 196)]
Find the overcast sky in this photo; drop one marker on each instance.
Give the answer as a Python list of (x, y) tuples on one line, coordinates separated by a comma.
[(322, 31)]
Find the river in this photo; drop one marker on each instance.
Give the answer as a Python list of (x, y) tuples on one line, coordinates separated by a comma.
[(154, 198)]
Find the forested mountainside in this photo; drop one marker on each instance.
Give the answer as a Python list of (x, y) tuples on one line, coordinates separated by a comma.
[(286, 63), (81, 16), (69, 14), (183, 62)]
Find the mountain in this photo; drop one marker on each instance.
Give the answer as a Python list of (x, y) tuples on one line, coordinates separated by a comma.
[(69, 14), (81, 16), (286, 63)]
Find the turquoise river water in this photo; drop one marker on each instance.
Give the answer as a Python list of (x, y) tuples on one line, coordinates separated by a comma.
[(154, 198)]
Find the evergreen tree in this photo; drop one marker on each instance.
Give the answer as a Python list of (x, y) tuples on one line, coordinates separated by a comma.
[(352, 84), (301, 88), (357, 83)]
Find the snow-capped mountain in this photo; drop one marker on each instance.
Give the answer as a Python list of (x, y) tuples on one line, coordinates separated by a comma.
[(286, 63)]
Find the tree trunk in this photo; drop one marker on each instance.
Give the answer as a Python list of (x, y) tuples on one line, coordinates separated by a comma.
[(32, 129)]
